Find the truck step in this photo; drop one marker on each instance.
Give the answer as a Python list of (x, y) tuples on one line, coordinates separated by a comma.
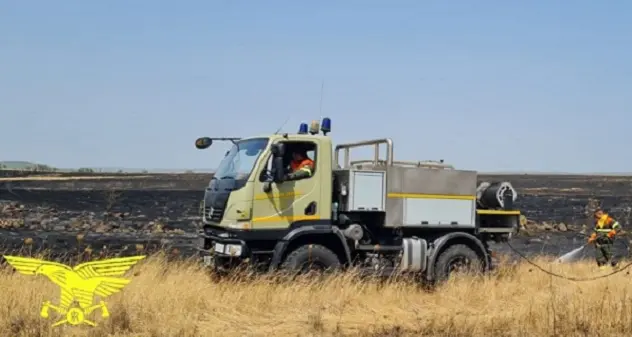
[(384, 272), (378, 248)]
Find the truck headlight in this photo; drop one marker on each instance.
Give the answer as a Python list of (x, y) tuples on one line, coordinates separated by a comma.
[(233, 250), (228, 249)]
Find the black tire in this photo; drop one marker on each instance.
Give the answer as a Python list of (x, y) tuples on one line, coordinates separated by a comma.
[(457, 256), (311, 258)]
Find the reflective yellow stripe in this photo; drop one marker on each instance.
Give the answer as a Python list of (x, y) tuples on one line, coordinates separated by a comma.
[(601, 223), (306, 169), (430, 196), (497, 212), (267, 196), (600, 227), (288, 218)]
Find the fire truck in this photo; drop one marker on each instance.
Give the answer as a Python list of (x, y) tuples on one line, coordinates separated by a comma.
[(377, 215)]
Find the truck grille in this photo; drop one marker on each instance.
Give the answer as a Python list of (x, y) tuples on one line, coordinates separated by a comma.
[(213, 214)]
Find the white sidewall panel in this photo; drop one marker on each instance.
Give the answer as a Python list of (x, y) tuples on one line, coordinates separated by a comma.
[(444, 212), (368, 191)]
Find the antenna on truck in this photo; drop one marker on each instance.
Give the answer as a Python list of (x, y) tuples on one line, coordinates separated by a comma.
[(282, 125), (322, 89)]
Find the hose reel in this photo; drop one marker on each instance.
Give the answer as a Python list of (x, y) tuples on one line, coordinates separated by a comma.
[(496, 195)]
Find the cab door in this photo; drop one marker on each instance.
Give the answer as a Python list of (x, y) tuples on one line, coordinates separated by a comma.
[(289, 201)]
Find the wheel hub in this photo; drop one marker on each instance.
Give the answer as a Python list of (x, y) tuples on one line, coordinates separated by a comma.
[(313, 266), (458, 264)]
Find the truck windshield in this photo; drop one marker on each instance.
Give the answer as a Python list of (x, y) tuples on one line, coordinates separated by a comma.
[(240, 159)]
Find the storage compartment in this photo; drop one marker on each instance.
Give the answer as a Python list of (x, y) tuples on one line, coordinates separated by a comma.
[(439, 212), (367, 191)]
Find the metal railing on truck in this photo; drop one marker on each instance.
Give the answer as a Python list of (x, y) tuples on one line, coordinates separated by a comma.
[(376, 157), (425, 164)]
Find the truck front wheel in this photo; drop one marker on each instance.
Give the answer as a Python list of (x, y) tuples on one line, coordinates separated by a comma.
[(311, 258), (455, 259)]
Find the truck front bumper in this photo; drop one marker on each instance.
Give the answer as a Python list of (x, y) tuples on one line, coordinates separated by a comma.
[(222, 248)]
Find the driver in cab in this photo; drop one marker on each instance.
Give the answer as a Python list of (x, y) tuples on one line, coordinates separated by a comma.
[(301, 166)]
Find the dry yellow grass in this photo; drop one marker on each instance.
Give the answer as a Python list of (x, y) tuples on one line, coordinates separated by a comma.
[(182, 300), (61, 178)]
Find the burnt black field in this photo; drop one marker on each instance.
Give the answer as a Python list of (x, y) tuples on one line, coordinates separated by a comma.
[(123, 212)]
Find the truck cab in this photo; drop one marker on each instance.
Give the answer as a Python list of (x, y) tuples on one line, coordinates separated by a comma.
[(376, 214)]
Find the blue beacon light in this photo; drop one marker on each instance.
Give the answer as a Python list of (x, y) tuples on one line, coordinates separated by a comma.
[(325, 126), (302, 129)]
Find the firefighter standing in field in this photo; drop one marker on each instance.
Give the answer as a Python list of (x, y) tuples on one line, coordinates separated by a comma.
[(603, 236), (301, 166)]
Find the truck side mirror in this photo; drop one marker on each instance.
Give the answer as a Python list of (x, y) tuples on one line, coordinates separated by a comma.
[(277, 169), (278, 150), (203, 143)]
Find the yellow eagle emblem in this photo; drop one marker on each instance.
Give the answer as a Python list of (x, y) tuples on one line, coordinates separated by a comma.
[(79, 284)]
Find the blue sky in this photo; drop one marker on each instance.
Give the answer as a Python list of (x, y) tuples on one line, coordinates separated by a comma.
[(485, 85)]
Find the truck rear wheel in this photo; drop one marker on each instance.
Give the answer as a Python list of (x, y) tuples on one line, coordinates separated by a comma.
[(456, 259), (311, 258)]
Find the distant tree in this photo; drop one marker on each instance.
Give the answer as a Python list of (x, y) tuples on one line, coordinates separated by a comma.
[(85, 170), (41, 168)]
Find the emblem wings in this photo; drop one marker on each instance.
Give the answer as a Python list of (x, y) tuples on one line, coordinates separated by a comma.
[(28, 266), (107, 274), (103, 278)]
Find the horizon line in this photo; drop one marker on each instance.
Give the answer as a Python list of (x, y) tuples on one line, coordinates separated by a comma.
[(207, 170)]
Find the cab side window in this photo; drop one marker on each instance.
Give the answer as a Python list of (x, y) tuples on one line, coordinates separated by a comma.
[(296, 153)]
